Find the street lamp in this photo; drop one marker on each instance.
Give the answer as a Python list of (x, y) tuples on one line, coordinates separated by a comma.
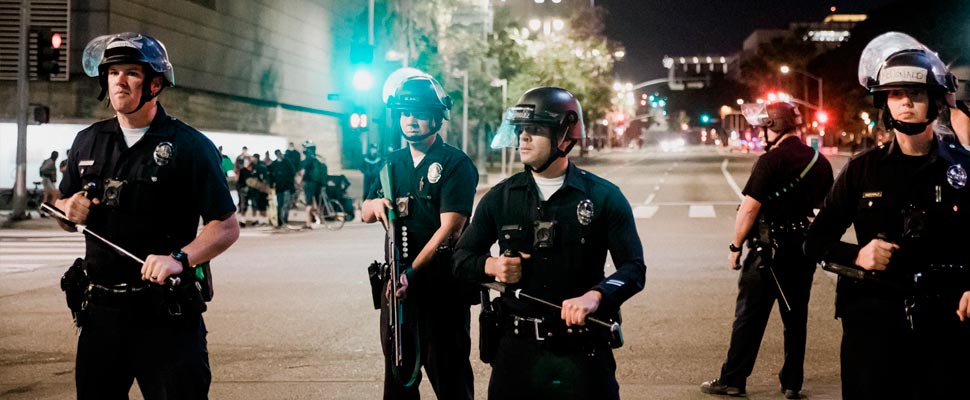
[(821, 103)]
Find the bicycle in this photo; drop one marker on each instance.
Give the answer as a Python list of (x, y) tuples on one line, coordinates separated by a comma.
[(333, 215)]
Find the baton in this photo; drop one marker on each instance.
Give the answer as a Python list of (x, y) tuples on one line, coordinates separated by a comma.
[(56, 213), (759, 248), (501, 288)]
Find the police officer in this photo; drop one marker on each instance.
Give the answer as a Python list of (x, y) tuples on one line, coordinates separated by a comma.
[(149, 177), (554, 224), (786, 184), (433, 187), (956, 118), (908, 201)]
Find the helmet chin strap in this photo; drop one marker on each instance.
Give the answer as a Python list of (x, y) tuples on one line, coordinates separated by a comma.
[(555, 154), (146, 96), (964, 107), (913, 128), (415, 139)]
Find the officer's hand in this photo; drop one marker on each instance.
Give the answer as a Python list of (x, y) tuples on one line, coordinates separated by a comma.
[(76, 207), (379, 208), (734, 260), (402, 287), (875, 255), (964, 310), (575, 310), (506, 269), (158, 268)]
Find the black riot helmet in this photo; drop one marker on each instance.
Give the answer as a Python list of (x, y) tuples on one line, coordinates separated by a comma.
[(421, 93), (551, 107), (912, 69), (128, 48), (960, 69), (782, 117)]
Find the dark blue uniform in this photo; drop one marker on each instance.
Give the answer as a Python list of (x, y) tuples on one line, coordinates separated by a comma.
[(444, 181), (921, 203), (591, 217), (786, 204), (170, 178)]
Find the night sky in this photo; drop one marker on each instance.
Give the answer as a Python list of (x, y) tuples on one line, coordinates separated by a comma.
[(650, 29)]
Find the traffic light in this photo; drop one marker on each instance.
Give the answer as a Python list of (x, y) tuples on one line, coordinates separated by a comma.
[(822, 117), (362, 58), (48, 53), (705, 118), (358, 121), (42, 114)]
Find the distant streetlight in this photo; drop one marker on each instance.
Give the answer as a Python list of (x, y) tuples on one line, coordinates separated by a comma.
[(535, 24), (740, 101), (619, 54), (558, 24), (821, 104)]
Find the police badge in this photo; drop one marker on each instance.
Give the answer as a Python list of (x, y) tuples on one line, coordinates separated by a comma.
[(956, 176), (584, 212), (434, 173), (164, 153)]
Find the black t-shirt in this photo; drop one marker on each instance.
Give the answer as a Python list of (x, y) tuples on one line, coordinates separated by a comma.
[(171, 178), (773, 181)]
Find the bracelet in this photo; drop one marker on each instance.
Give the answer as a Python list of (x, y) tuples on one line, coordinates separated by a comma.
[(734, 249)]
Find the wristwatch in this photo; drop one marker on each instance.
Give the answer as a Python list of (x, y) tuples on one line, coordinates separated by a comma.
[(734, 249), (182, 258)]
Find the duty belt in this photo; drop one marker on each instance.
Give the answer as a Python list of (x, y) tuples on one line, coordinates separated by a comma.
[(120, 295), (788, 228), (554, 332)]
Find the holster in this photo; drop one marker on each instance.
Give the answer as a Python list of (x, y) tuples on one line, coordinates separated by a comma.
[(74, 283), (490, 328), (206, 287), (185, 298), (376, 276)]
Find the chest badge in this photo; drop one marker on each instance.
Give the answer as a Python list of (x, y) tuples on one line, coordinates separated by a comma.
[(956, 176), (584, 212), (434, 173), (164, 153)]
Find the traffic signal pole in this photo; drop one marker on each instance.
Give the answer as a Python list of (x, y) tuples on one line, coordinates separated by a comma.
[(23, 96)]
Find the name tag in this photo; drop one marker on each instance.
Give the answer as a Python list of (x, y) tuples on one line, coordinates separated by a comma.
[(871, 195), (85, 163)]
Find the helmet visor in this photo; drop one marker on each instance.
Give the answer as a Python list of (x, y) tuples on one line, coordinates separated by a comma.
[(519, 118), (879, 49), (756, 114), (149, 51)]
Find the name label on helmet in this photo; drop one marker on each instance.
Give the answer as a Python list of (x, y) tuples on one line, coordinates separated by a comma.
[(521, 113), (121, 43), (891, 75)]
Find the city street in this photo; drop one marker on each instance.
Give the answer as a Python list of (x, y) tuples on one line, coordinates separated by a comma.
[(292, 315)]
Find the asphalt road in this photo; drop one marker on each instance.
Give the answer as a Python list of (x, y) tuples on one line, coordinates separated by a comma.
[(292, 317)]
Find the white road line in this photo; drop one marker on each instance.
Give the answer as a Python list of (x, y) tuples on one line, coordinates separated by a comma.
[(697, 203), (43, 245), (701, 211), (650, 198), (644, 212), (28, 250), (730, 179)]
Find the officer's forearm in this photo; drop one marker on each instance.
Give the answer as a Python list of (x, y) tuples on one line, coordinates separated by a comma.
[(214, 239), (447, 233), (747, 214)]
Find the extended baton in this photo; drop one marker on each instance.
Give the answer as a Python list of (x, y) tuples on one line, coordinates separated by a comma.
[(501, 288), (57, 213)]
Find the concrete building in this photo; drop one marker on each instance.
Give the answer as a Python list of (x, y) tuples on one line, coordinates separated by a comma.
[(242, 66)]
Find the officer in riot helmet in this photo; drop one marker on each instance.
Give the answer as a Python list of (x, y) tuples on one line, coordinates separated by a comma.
[(956, 118), (786, 183), (142, 180), (903, 289), (554, 224), (433, 186)]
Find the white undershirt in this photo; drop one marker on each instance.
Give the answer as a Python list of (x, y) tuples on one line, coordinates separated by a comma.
[(132, 135), (418, 160), (548, 186)]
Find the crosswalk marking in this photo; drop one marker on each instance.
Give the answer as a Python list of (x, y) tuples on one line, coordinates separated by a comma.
[(644, 212), (701, 211)]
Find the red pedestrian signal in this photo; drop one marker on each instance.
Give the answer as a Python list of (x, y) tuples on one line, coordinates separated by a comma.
[(822, 117), (48, 53)]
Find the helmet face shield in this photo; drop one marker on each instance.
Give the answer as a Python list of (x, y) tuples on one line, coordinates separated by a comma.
[(127, 47), (523, 118), (755, 113)]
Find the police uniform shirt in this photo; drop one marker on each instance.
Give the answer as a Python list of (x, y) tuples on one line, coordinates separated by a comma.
[(592, 217), (444, 181), (172, 177), (873, 192), (774, 173)]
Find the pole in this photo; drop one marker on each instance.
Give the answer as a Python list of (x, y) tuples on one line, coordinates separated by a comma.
[(464, 113), (821, 104), (23, 98), (370, 22)]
